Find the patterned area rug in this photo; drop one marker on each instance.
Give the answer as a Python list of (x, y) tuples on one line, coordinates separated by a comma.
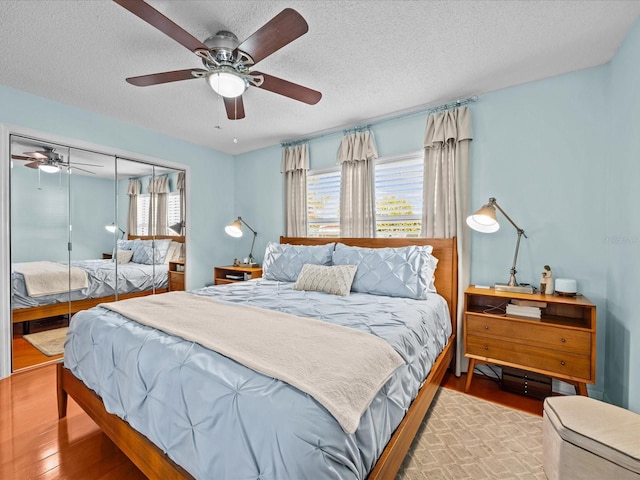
[(463, 437), (49, 342)]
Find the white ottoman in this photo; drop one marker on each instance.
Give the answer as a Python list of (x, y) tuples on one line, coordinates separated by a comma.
[(583, 438)]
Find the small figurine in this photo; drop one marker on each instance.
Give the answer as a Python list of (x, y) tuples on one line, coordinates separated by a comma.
[(236, 262), (546, 282)]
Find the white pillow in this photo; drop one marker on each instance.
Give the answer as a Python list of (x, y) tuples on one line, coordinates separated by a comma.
[(335, 279), (175, 249), (124, 256)]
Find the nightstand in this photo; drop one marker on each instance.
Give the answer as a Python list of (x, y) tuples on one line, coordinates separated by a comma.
[(176, 275), (107, 256), (222, 275), (561, 344)]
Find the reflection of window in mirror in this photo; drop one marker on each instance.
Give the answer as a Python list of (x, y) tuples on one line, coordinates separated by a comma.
[(173, 213)]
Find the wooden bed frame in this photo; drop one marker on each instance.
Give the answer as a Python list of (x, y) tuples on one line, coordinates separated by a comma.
[(20, 315), (155, 464)]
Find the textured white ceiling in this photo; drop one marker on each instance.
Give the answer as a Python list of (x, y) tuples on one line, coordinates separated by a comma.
[(370, 59)]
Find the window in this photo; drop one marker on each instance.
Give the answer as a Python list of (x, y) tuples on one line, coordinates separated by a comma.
[(323, 203), (399, 196), (399, 186), (143, 214), (173, 212)]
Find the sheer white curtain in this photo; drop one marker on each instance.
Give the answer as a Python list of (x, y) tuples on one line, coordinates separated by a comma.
[(158, 212), (357, 154), (295, 163), (133, 191), (447, 193)]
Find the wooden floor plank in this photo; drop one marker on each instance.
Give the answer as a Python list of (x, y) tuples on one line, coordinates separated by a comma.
[(35, 445)]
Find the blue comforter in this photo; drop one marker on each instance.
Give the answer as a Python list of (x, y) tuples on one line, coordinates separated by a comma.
[(221, 420), (102, 276)]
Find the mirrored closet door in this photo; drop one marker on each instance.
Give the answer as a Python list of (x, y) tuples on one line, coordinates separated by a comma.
[(86, 228)]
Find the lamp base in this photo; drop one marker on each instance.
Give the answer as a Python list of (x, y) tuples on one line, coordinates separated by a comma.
[(501, 287)]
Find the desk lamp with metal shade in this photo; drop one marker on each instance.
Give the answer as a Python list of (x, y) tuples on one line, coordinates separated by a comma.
[(235, 230), (486, 221), (113, 228), (177, 227)]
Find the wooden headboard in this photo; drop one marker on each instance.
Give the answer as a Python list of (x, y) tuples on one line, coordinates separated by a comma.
[(175, 238), (444, 249)]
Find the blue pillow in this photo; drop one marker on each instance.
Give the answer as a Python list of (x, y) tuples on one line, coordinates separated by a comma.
[(125, 244), (149, 252), (395, 272), (284, 262)]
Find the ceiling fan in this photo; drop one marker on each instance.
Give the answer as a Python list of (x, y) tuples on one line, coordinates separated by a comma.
[(228, 62), (50, 161)]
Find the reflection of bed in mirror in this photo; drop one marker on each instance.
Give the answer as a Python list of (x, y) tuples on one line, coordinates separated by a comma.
[(132, 279)]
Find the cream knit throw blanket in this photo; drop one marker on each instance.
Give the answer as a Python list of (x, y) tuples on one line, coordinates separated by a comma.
[(48, 278), (342, 368)]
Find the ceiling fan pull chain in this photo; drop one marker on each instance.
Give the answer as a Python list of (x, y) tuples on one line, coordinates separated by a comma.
[(235, 116)]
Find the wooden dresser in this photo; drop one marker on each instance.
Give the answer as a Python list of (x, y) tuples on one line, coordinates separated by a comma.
[(561, 344)]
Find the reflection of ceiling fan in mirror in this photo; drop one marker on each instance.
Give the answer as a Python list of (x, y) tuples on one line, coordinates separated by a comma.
[(50, 161), (228, 62)]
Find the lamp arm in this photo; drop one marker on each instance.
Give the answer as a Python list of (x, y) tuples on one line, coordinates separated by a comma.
[(512, 273), (252, 244), (492, 201), (255, 234)]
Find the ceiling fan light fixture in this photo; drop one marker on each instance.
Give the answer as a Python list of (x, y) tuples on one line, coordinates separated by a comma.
[(49, 168), (227, 84)]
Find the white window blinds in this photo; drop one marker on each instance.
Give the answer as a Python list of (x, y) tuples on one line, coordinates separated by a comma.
[(399, 185), (323, 203)]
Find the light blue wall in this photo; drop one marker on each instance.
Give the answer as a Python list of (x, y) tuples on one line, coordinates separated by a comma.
[(210, 175), (538, 150), (544, 150), (40, 215), (622, 379)]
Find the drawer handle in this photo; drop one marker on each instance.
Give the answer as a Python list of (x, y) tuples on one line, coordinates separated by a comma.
[(563, 340), (562, 363), (486, 347), (486, 327)]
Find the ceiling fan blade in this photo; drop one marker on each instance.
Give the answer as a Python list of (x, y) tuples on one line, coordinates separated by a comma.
[(289, 89), (78, 168), (281, 30), (154, 18), (73, 164), (234, 107), (21, 157), (35, 164), (164, 77), (39, 155)]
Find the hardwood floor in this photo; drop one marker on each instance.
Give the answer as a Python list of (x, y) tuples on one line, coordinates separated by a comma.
[(34, 445), (25, 355)]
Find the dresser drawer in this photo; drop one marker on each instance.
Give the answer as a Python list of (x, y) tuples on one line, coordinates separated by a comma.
[(553, 361), (176, 281), (530, 333)]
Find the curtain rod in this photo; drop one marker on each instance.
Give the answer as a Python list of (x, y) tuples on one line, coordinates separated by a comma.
[(359, 128)]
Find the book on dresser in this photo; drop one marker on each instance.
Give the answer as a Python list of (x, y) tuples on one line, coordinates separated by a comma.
[(524, 311)]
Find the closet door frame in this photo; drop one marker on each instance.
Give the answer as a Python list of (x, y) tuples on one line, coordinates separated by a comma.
[(6, 130)]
